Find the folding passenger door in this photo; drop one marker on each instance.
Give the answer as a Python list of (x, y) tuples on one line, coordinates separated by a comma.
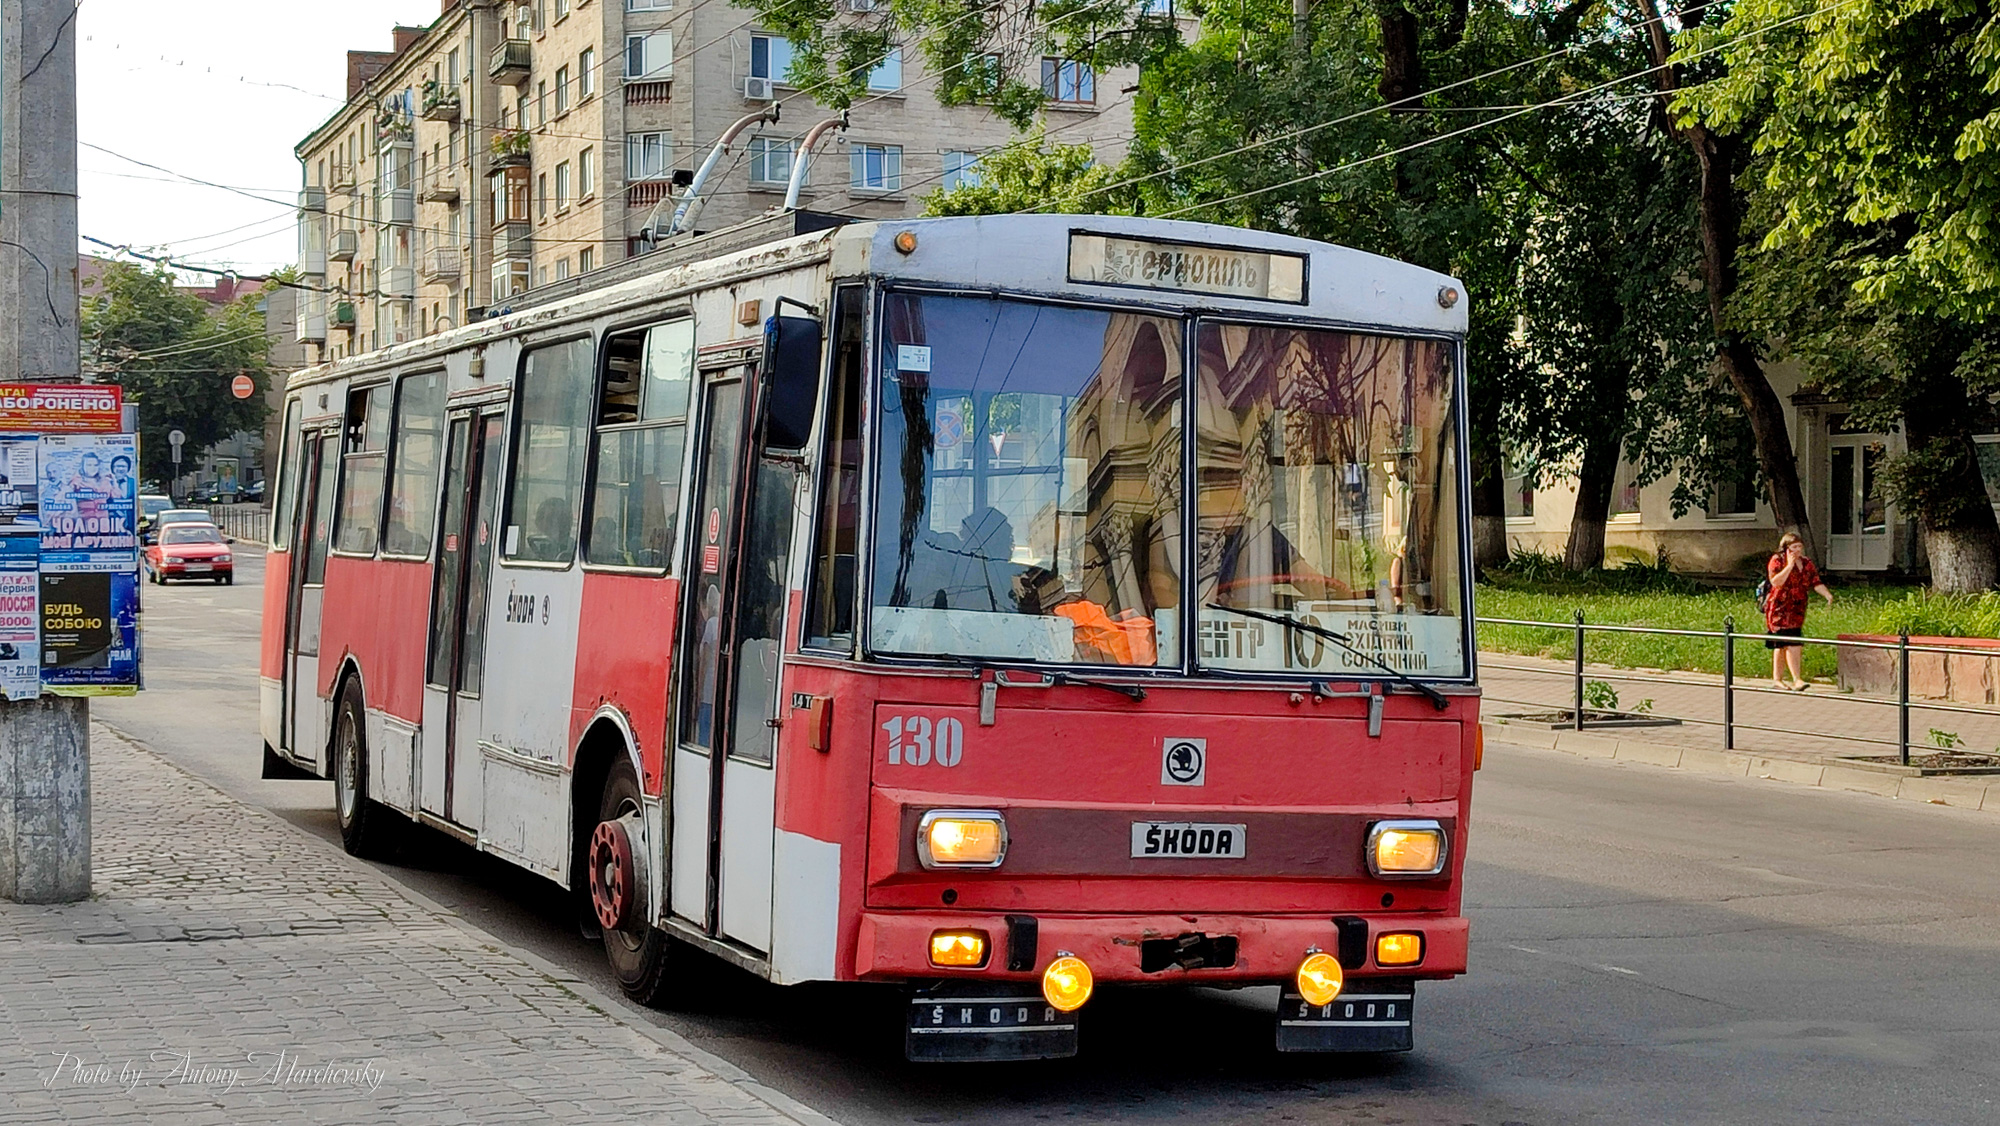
[(305, 721), (448, 786), (732, 629)]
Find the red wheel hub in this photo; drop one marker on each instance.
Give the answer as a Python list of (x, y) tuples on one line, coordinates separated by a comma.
[(613, 878)]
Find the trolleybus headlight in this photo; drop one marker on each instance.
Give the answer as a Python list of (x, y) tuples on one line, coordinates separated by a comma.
[(1320, 978), (1067, 982), (958, 948), (962, 838), (1401, 949), (1406, 849)]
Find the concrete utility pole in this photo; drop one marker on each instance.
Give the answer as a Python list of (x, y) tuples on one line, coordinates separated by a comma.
[(44, 743)]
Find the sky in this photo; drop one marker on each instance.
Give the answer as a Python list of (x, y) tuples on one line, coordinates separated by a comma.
[(220, 91)]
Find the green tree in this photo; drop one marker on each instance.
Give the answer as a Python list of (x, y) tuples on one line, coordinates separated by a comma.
[(175, 358), (1876, 127), (1031, 175)]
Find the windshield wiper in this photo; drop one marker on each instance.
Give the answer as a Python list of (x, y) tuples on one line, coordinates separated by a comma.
[(1436, 697), (1129, 691)]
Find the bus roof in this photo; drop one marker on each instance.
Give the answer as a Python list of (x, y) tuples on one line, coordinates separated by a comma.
[(1029, 254)]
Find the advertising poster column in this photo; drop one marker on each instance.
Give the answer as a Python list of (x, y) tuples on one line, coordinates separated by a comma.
[(20, 553), (89, 564)]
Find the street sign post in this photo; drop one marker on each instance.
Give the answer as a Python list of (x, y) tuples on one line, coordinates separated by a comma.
[(176, 439)]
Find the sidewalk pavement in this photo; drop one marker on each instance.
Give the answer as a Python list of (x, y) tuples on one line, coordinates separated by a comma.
[(1837, 723), (231, 968)]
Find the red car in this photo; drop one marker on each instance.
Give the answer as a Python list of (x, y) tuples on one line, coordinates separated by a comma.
[(190, 551)]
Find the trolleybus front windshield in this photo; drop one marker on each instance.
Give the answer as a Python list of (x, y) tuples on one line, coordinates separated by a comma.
[(1030, 490)]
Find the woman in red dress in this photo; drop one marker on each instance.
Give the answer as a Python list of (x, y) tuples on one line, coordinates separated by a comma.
[(1793, 581)]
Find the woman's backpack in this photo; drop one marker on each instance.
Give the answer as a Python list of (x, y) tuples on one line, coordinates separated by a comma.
[(1763, 593)]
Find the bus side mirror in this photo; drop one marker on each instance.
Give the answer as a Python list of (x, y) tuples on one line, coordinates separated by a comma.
[(791, 378)]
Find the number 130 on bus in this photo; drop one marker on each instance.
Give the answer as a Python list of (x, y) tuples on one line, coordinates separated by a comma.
[(918, 603)]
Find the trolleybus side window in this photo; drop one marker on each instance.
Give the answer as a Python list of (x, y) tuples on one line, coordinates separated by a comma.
[(291, 470), (830, 613), (319, 535), (1328, 469), (413, 464), (642, 431), (1030, 482), (551, 436), (364, 450)]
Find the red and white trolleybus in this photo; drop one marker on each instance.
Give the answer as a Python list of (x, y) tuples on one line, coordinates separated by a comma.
[(1000, 607)]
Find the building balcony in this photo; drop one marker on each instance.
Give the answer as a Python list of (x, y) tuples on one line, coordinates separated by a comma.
[(443, 264), (440, 188), (647, 193), (649, 93), (513, 240), (312, 199), (399, 206), (341, 316), (399, 281), (343, 176), (509, 64), (440, 103), (311, 326), (345, 245)]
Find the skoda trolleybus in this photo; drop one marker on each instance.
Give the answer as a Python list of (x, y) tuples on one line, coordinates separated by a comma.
[(1001, 608)]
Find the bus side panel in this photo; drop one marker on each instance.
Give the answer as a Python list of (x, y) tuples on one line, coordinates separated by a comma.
[(378, 611), (822, 826), (277, 582), (625, 638)]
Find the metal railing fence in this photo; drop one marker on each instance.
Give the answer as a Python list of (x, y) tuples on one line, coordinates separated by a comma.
[(249, 524), (1727, 638)]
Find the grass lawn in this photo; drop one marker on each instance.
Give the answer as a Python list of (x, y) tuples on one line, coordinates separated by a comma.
[(1853, 611)]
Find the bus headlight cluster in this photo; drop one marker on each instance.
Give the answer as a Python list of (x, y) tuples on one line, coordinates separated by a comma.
[(962, 838), (1406, 849)]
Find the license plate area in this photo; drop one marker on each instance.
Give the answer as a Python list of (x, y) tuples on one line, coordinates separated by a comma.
[(1191, 951), (1371, 1015), (963, 1021), (199, 567), (1188, 840)]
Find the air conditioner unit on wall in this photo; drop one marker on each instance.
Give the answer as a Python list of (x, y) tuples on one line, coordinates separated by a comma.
[(757, 89)]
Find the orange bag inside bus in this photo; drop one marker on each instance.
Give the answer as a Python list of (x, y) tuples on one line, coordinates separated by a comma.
[(1126, 639)]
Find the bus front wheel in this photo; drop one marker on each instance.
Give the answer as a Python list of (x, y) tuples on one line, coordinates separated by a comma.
[(638, 951), (366, 827)]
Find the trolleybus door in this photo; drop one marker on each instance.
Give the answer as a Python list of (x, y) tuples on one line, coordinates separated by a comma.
[(448, 785), (732, 629), (305, 717)]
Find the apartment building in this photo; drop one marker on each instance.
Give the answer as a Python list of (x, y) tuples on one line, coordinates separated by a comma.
[(514, 144)]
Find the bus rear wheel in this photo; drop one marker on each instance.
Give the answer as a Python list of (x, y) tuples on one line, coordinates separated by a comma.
[(639, 952), (366, 827)]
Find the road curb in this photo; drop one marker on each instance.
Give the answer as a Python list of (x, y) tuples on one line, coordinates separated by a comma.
[(613, 1008), (1957, 792)]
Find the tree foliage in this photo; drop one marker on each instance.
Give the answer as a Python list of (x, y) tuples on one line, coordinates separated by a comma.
[(175, 358)]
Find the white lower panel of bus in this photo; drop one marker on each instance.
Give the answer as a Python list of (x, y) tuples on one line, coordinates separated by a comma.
[(528, 814), (805, 906), (393, 771), (749, 805), (309, 713), (690, 855)]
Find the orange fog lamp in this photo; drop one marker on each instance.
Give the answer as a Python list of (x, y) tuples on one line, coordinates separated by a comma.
[(958, 948), (1320, 978), (1401, 949), (1067, 983)]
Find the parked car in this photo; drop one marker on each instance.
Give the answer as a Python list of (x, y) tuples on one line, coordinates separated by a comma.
[(150, 507), (190, 551)]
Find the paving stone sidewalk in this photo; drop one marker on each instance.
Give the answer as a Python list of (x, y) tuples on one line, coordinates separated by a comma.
[(1836, 724), (231, 969)]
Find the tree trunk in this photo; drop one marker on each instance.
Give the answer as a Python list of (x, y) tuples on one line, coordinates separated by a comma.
[(1963, 560), (1402, 60), (1720, 225), (1960, 534), (1489, 519), (1594, 482)]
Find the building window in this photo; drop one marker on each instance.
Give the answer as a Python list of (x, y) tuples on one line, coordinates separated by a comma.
[(541, 275), (961, 169), (888, 74), (586, 174), (1518, 483), (1065, 80), (451, 66), (562, 90), (770, 161), (641, 431), (876, 168), (1987, 447), (649, 5), (551, 436), (649, 57), (648, 156), (1625, 491), (417, 454), (509, 196), (364, 448), (562, 9), (586, 74), (562, 269), (562, 186), (586, 260), (542, 102), (770, 57), (510, 276)]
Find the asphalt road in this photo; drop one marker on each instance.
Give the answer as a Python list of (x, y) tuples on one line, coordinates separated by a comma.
[(1648, 947)]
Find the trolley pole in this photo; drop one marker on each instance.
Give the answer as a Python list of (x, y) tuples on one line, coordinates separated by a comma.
[(44, 742)]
